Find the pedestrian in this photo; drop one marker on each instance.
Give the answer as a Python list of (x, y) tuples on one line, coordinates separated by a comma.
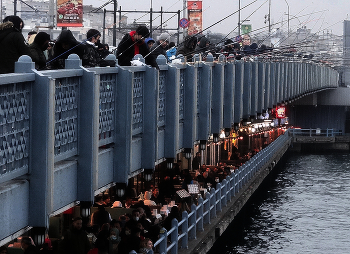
[(30, 34), (158, 48), (37, 48), (149, 41), (75, 240), (203, 48), (133, 43), (27, 246), (92, 55), (65, 45), (187, 48), (146, 246), (12, 43)]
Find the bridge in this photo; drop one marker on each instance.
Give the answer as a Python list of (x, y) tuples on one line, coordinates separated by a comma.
[(67, 135)]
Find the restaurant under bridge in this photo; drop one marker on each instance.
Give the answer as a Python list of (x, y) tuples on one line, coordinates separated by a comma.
[(67, 135)]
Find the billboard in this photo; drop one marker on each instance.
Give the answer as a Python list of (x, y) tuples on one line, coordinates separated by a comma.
[(194, 9), (246, 29), (70, 13)]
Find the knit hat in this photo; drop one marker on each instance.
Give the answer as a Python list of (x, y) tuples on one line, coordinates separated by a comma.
[(149, 40), (228, 41), (164, 37), (142, 30)]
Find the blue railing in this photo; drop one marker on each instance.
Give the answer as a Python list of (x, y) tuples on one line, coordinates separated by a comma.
[(315, 132), (208, 208)]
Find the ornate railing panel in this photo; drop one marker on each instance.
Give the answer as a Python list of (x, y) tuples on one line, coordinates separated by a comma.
[(137, 112), (15, 102), (66, 117), (161, 98), (107, 108)]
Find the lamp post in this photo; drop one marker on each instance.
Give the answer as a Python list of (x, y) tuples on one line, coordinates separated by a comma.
[(288, 14), (115, 23), (239, 17)]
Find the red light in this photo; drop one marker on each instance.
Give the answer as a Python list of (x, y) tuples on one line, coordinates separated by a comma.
[(281, 112)]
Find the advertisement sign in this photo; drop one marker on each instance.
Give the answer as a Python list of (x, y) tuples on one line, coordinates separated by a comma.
[(280, 112), (194, 9), (70, 13), (246, 29)]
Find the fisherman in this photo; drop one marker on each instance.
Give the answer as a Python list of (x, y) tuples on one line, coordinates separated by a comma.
[(133, 43), (158, 48)]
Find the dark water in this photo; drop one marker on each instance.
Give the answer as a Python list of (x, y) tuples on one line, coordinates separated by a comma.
[(303, 208)]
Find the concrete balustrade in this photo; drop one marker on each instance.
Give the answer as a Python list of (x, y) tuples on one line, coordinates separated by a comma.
[(67, 135)]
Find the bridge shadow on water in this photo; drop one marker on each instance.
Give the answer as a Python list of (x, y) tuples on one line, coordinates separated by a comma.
[(235, 239)]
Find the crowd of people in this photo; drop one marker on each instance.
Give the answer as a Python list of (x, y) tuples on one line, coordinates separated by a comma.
[(45, 52), (48, 53)]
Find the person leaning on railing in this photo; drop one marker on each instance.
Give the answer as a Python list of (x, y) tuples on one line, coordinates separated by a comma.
[(12, 43)]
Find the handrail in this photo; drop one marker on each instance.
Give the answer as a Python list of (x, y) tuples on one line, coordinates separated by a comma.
[(207, 209), (315, 132)]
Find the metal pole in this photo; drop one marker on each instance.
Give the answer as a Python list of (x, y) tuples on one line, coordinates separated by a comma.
[(1, 12), (239, 17), (14, 7), (161, 19), (115, 24), (269, 17), (104, 26), (185, 16), (150, 22), (120, 17), (288, 14), (178, 27)]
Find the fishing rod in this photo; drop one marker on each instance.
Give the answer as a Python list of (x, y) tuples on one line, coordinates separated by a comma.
[(223, 39), (166, 10), (212, 26), (190, 53), (152, 30), (295, 17)]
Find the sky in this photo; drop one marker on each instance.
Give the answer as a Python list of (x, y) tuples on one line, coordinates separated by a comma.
[(320, 16)]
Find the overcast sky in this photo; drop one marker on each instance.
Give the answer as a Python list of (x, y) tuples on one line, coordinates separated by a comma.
[(319, 16)]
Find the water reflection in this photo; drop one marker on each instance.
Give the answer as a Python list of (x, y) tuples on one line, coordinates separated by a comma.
[(304, 208)]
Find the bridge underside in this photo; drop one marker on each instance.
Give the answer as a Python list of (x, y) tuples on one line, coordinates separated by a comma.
[(328, 109)]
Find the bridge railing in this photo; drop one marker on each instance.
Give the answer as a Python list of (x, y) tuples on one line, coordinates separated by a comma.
[(209, 208), (77, 131), (315, 132)]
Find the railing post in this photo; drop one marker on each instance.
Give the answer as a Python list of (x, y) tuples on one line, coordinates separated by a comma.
[(200, 214), (218, 197), (207, 208), (227, 183), (163, 243), (212, 203), (193, 219), (224, 200), (174, 236), (42, 135), (89, 92), (184, 229)]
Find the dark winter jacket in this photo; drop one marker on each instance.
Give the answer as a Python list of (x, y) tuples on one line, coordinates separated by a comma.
[(187, 48), (202, 47), (74, 242), (61, 54), (155, 51), (31, 250), (12, 46), (127, 49), (92, 58), (37, 56)]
